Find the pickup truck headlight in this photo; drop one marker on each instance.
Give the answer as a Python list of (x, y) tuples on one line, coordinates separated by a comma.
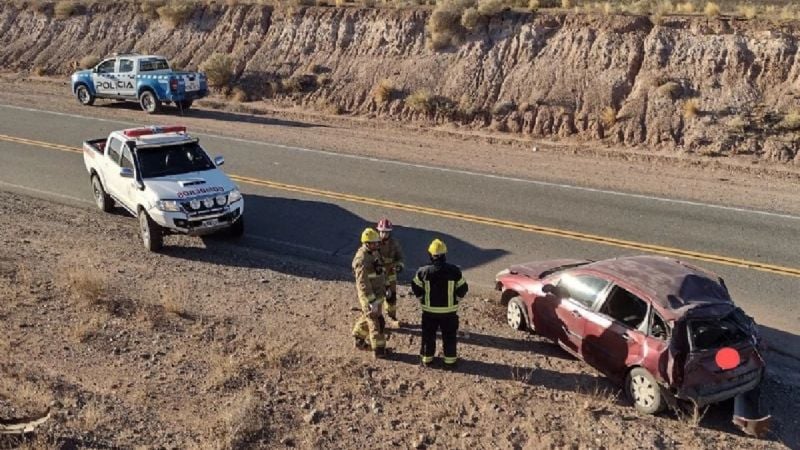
[(234, 196), (221, 200), (168, 205)]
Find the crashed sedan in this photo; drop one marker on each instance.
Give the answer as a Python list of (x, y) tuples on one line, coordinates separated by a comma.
[(664, 329)]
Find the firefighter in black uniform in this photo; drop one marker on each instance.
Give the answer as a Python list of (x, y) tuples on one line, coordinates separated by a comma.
[(438, 287)]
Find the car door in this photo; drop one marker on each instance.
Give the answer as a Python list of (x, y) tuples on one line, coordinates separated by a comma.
[(128, 186), (126, 78), (114, 183), (104, 78), (615, 332), (577, 294)]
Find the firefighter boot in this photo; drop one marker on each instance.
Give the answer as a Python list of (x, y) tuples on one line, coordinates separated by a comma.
[(379, 353), (360, 344)]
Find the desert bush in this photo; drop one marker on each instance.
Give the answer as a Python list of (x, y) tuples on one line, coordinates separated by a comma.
[(685, 8), (340, 3), (175, 13), (566, 4), (737, 124), (503, 107), (150, 7), (239, 95), (39, 71), (384, 91), (86, 285), (608, 117), (64, 9), (690, 108), (420, 101), (670, 89), (470, 18), (489, 8), (711, 9), (788, 13), (300, 83), (219, 70), (790, 121), (749, 12), (444, 24), (304, 2), (89, 61)]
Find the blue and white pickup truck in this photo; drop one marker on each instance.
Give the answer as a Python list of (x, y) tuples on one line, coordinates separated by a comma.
[(146, 79)]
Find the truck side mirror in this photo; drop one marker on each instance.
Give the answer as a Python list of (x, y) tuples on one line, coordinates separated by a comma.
[(219, 160), (126, 172)]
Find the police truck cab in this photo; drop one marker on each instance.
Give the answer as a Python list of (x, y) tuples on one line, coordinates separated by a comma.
[(165, 178)]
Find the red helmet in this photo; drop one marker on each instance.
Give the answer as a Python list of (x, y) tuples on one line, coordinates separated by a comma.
[(384, 225)]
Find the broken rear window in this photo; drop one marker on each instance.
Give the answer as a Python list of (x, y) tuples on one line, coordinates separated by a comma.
[(708, 334)]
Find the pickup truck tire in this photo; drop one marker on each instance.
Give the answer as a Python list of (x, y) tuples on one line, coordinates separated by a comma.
[(84, 96), (644, 391), (237, 229), (101, 198), (151, 232), (149, 102), (184, 105)]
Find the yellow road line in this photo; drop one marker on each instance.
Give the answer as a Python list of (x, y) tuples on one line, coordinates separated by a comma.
[(556, 232)]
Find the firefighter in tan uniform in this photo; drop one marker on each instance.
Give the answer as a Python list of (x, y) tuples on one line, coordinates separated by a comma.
[(393, 263), (371, 287)]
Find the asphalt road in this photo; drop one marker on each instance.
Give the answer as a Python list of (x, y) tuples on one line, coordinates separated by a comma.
[(314, 204)]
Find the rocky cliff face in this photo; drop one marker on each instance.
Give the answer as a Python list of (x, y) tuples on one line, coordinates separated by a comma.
[(718, 86)]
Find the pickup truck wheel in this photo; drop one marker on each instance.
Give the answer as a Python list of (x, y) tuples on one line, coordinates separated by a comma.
[(103, 200), (643, 390), (184, 105), (515, 314), (149, 102), (152, 235), (237, 229), (84, 96)]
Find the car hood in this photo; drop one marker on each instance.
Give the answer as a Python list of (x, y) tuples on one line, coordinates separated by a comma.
[(535, 269), (190, 185)]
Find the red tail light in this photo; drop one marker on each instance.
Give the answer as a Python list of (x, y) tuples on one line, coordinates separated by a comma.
[(136, 132), (173, 84)]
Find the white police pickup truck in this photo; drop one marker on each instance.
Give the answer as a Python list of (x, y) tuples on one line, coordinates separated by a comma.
[(147, 79), (164, 177)]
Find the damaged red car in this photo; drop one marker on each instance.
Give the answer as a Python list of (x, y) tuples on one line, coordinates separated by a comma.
[(664, 329)]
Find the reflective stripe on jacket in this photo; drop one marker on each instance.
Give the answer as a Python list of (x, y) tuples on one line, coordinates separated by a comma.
[(439, 287)]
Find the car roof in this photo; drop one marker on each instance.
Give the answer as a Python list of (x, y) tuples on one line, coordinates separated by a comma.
[(672, 285)]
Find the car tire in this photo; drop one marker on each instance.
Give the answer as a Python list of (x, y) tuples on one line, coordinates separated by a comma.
[(184, 105), (151, 233), (101, 198), (149, 102), (644, 391), (84, 96), (515, 314), (237, 229)]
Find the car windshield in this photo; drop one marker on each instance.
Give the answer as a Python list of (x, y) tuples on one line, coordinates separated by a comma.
[(562, 268), (152, 64), (173, 160)]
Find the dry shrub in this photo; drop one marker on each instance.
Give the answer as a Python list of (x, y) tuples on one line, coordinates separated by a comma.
[(711, 9), (685, 8), (670, 89), (690, 108), (89, 61), (607, 8), (384, 91), (39, 71), (300, 83), (239, 95), (420, 101), (175, 298), (640, 7), (489, 8), (92, 416), (65, 9), (790, 121), (304, 2), (340, 3), (534, 5), (150, 7), (42, 7), (176, 12), (608, 116), (470, 18), (86, 285), (504, 107), (444, 24), (737, 124), (749, 12), (219, 70), (566, 4), (787, 13)]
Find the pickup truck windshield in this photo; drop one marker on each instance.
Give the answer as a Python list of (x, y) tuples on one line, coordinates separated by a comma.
[(153, 64), (173, 160)]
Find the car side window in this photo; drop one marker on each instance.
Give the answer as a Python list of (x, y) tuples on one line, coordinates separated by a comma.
[(658, 327), (626, 308), (114, 150), (583, 289), (106, 66), (127, 159), (125, 65)]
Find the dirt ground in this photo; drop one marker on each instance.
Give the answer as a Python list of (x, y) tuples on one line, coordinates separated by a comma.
[(212, 344)]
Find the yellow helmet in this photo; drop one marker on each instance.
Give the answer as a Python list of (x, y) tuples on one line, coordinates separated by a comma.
[(437, 248), (369, 235)]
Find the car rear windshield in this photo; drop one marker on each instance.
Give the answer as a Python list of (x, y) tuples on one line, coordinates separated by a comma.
[(172, 160), (153, 64), (713, 333)]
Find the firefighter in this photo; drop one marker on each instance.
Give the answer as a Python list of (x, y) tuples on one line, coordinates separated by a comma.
[(371, 285), (393, 263), (439, 286)]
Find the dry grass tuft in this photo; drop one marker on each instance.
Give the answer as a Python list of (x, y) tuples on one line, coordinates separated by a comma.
[(691, 108), (503, 107), (39, 71), (737, 124), (176, 12), (470, 18), (566, 4), (608, 117), (150, 7), (490, 7), (791, 121), (219, 70), (534, 5), (89, 61), (86, 285), (420, 101), (749, 12), (65, 9), (711, 9), (670, 89), (384, 91), (239, 95), (175, 298), (685, 8), (444, 24)]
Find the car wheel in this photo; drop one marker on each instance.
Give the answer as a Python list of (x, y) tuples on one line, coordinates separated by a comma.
[(84, 96), (643, 390), (515, 314), (101, 198), (152, 235), (237, 229), (149, 102)]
